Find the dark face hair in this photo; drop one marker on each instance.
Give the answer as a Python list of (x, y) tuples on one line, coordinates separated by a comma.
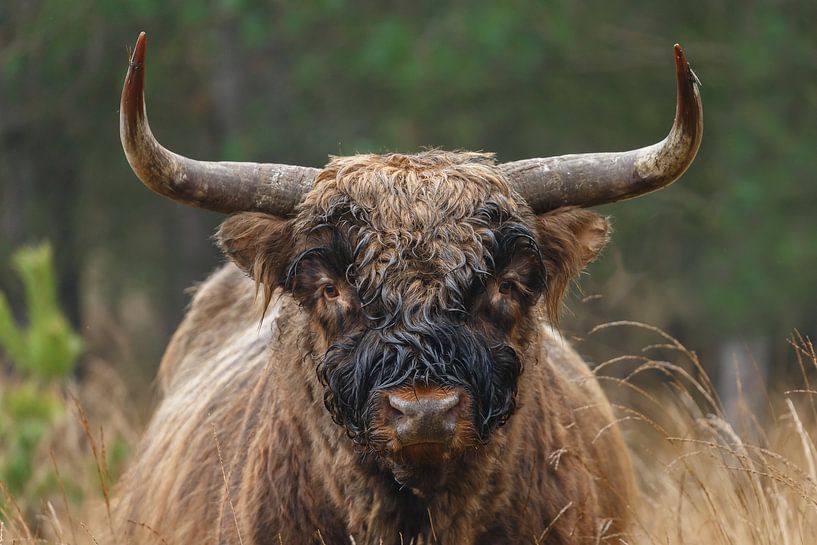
[(456, 330)]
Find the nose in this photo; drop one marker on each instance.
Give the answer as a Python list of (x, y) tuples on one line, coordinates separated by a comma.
[(424, 417)]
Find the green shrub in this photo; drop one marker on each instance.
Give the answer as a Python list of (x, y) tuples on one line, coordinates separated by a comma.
[(47, 348), (41, 353)]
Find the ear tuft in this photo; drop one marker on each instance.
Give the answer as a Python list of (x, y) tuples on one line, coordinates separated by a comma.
[(261, 245), (593, 237), (569, 239)]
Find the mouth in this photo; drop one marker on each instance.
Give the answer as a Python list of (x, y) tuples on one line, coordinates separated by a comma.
[(424, 453), (427, 467)]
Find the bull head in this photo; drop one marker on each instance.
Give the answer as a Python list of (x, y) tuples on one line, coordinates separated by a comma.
[(421, 275)]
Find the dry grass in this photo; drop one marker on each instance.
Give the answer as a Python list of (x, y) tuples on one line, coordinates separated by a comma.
[(76, 453), (703, 480)]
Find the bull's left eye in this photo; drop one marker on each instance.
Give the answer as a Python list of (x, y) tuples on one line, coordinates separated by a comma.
[(505, 287), (330, 291)]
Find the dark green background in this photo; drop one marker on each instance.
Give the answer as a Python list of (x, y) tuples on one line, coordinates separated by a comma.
[(730, 252)]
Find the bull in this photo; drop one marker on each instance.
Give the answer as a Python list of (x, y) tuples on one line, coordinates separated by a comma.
[(406, 383)]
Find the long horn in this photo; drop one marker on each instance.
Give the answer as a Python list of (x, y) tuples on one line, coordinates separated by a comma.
[(222, 186), (590, 179)]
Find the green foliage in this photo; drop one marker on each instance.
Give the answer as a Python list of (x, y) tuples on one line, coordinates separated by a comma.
[(47, 348), (41, 353), (27, 412)]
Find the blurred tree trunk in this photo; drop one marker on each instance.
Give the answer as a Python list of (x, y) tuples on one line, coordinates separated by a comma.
[(15, 176), (742, 378), (227, 82)]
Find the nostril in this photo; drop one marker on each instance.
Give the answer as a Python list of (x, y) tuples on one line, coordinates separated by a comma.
[(418, 406), (399, 404), (402, 406), (449, 402)]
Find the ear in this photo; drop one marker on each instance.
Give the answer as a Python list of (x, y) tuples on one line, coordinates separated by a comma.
[(569, 239), (261, 245)]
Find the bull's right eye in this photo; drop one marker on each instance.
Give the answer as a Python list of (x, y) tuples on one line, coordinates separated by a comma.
[(330, 291)]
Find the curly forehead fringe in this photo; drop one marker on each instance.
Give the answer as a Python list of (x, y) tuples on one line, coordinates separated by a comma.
[(381, 185)]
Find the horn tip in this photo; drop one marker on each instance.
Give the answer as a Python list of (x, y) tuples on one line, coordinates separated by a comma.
[(680, 58), (138, 57), (132, 103), (682, 68)]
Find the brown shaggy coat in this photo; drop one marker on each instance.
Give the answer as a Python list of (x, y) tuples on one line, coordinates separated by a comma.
[(242, 449)]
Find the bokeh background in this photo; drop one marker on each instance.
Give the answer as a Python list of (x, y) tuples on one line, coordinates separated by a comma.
[(94, 268), (725, 259)]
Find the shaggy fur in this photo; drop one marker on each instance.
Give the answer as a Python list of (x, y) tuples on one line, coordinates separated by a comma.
[(399, 271)]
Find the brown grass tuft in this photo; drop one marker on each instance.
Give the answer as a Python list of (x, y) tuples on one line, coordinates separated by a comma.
[(701, 480)]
